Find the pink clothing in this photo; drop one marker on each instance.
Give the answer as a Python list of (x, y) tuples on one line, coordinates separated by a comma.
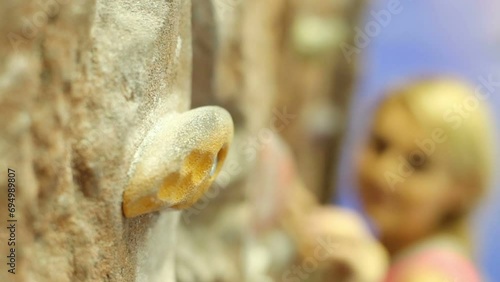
[(447, 261)]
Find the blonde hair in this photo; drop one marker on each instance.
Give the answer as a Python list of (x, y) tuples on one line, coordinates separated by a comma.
[(455, 108)]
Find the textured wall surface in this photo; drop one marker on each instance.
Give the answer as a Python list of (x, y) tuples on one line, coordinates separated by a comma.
[(83, 82), (80, 84)]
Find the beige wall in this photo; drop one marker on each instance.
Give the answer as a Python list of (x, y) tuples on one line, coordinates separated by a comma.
[(80, 84)]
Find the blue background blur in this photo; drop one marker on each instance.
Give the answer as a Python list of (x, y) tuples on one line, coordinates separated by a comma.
[(458, 37)]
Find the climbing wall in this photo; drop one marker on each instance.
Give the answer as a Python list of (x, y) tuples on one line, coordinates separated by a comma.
[(81, 82), (88, 89)]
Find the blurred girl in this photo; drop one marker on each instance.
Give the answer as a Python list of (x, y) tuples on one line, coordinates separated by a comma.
[(426, 164)]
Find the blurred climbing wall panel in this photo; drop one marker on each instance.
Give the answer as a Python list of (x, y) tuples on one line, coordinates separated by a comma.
[(282, 61), (315, 83)]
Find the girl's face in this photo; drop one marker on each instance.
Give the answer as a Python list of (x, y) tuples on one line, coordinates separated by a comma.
[(405, 191)]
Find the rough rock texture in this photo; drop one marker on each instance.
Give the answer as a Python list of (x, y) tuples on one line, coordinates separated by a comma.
[(80, 84)]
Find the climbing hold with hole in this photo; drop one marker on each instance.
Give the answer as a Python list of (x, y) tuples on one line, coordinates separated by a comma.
[(178, 160)]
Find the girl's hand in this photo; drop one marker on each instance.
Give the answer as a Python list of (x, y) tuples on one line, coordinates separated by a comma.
[(339, 240)]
